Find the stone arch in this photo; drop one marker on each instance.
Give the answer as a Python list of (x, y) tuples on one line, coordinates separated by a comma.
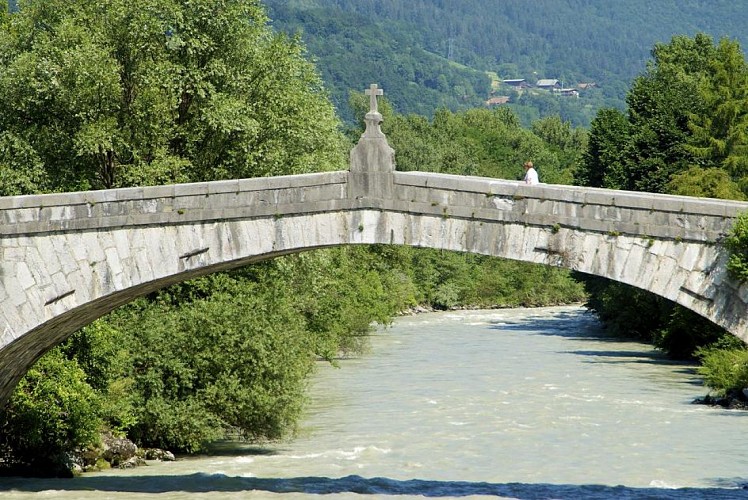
[(69, 258), (116, 265)]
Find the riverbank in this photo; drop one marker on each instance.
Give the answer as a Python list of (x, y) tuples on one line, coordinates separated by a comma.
[(422, 309), (733, 400), (113, 452)]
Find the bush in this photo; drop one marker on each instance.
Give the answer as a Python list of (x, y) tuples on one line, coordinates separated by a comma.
[(52, 413), (685, 332), (234, 362), (101, 352), (724, 370)]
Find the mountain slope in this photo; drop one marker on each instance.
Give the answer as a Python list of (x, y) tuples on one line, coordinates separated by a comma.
[(353, 51), (408, 45)]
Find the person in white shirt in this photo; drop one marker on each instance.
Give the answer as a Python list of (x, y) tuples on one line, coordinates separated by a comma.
[(531, 175)]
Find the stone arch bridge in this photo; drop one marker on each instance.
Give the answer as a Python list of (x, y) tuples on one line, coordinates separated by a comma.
[(67, 259)]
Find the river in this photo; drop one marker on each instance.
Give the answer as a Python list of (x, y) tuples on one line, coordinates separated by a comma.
[(521, 403)]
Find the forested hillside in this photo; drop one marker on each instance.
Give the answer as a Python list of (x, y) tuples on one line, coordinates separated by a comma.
[(351, 49), (434, 53)]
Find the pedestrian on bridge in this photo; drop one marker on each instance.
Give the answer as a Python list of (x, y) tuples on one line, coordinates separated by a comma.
[(531, 175)]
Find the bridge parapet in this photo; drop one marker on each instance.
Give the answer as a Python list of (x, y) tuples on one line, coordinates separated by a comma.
[(589, 209), (605, 211), (173, 204)]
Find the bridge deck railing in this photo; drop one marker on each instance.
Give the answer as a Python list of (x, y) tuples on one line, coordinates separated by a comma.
[(590, 209)]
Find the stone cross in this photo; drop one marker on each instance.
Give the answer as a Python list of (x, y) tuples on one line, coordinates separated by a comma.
[(373, 92)]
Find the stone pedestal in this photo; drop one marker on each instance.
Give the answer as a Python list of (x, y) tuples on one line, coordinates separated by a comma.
[(372, 160)]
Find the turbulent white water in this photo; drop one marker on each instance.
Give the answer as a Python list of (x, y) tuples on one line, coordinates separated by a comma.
[(524, 403)]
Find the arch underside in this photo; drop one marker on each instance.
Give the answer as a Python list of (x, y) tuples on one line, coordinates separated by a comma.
[(103, 270)]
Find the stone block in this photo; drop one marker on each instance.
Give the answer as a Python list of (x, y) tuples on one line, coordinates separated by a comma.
[(128, 194)]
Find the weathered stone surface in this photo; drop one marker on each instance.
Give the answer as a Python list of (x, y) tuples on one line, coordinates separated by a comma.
[(119, 452), (158, 454)]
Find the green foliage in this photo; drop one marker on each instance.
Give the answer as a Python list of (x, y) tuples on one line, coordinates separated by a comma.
[(447, 280), (52, 411), (705, 183), (534, 105), (687, 112), (720, 136), (354, 50), (21, 169), (142, 92), (685, 332), (634, 313), (101, 351), (724, 370), (231, 362), (737, 244), (340, 293), (626, 311), (431, 55), (660, 103), (604, 162), (489, 143)]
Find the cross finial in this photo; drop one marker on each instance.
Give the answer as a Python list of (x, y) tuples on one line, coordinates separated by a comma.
[(373, 92)]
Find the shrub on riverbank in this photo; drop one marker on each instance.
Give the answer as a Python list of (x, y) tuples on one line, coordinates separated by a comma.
[(52, 412), (445, 280), (724, 369)]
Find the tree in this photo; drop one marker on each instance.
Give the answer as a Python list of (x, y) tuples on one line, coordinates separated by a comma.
[(21, 169), (233, 362), (705, 183), (604, 163), (660, 103), (643, 149), (489, 143), (125, 93), (566, 142), (720, 136)]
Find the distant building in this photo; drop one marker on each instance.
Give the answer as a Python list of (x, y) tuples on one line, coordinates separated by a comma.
[(497, 101), (548, 84), (585, 86), (567, 92), (519, 83)]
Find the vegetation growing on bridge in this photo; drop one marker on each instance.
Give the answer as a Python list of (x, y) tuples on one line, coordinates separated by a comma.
[(737, 243)]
